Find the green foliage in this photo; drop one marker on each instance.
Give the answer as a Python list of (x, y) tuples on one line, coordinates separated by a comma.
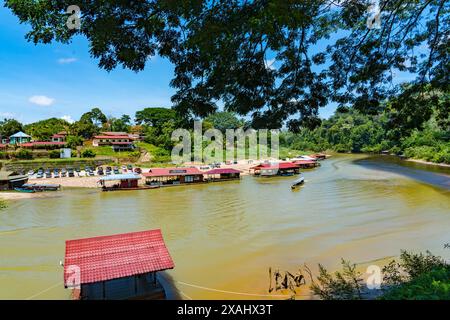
[(418, 277), (4, 155), (9, 126), (155, 117), (88, 153), (54, 154), (224, 120), (74, 141), (414, 276), (23, 154), (430, 285), (44, 129), (354, 132), (233, 63), (2, 204), (342, 285), (121, 124)]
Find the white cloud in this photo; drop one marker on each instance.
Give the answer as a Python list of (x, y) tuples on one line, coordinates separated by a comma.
[(67, 60), (68, 118), (41, 100)]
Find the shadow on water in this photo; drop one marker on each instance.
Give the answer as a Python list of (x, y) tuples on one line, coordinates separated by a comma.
[(430, 174)]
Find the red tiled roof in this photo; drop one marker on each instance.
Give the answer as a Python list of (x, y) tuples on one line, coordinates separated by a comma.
[(281, 165), (160, 172), (58, 136), (116, 256), (42, 143), (2, 145), (222, 171), (304, 161), (111, 137)]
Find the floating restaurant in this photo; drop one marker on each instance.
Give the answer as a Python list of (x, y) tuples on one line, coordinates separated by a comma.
[(276, 169), (306, 164), (173, 176), (117, 267), (126, 181), (219, 174), (9, 180)]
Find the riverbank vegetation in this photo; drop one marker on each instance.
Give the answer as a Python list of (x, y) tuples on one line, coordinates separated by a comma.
[(351, 131), (413, 276)]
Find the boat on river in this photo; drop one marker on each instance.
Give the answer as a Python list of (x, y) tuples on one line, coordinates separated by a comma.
[(41, 187), (24, 190), (297, 183)]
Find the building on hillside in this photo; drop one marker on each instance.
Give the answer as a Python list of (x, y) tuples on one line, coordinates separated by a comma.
[(119, 141), (59, 137), (11, 179), (117, 267), (3, 146), (19, 138)]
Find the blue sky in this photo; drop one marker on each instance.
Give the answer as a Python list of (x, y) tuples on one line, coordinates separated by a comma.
[(43, 81)]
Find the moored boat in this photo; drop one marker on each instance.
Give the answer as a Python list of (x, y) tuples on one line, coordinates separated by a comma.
[(298, 182), (24, 190)]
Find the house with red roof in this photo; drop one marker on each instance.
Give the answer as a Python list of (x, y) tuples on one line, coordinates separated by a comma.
[(59, 137), (117, 267), (119, 141)]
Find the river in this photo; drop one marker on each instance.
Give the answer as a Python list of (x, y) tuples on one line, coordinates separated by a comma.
[(223, 237)]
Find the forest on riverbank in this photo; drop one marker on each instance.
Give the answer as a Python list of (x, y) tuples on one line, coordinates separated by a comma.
[(351, 131)]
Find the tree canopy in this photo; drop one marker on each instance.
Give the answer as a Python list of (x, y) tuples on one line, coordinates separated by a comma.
[(44, 129), (9, 126), (278, 61)]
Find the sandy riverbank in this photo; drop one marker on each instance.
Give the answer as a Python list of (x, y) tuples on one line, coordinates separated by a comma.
[(443, 165)]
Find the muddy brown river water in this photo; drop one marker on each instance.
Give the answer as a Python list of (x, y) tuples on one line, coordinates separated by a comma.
[(223, 237)]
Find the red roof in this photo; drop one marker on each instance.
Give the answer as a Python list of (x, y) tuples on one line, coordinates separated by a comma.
[(222, 171), (161, 172), (117, 256), (281, 165), (111, 137), (42, 143), (305, 161), (2, 145), (58, 136)]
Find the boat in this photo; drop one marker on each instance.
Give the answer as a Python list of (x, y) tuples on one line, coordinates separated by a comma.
[(41, 187), (298, 182), (24, 190)]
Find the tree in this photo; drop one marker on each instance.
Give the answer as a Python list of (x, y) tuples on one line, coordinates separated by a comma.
[(263, 58), (224, 120), (95, 116), (74, 141), (9, 126), (121, 124), (44, 129), (155, 117)]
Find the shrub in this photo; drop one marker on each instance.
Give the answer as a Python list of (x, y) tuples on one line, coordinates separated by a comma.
[(431, 285), (3, 155), (343, 285), (54, 154), (24, 154), (88, 153)]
